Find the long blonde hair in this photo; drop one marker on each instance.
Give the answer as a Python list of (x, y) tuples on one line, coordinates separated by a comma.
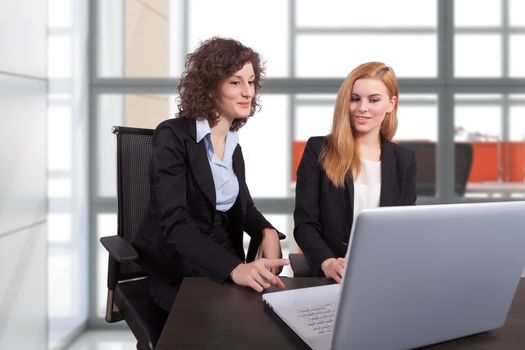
[(340, 155)]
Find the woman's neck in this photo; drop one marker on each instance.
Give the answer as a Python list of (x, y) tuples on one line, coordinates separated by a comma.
[(218, 136), (220, 130), (370, 147)]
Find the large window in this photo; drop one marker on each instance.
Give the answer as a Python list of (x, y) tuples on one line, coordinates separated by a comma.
[(459, 75)]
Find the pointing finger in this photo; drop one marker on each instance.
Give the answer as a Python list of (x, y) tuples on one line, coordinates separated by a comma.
[(275, 262)]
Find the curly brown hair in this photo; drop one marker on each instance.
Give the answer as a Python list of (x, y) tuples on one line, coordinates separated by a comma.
[(207, 67)]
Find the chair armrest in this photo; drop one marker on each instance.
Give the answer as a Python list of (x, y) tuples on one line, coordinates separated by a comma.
[(119, 249), (299, 265)]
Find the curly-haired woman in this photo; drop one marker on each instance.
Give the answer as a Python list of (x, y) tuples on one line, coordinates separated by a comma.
[(200, 204)]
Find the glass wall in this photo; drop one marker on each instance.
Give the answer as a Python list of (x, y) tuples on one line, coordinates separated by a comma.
[(68, 240), (460, 75)]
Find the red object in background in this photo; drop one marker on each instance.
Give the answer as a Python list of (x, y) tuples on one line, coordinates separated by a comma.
[(484, 162), (487, 167), (514, 161), (297, 153)]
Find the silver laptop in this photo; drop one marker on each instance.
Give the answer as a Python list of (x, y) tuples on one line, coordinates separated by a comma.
[(415, 276)]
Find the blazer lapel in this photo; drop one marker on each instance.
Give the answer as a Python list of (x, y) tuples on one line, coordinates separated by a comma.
[(200, 165), (389, 182), (349, 191), (238, 169)]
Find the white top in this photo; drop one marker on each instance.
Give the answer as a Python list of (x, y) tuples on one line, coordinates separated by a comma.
[(367, 187)]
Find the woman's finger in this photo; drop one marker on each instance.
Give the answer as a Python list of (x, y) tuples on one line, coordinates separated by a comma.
[(269, 263), (279, 283), (261, 280), (254, 285), (271, 278)]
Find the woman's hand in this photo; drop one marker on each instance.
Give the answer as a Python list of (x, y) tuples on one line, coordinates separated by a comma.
[(257, 275), (270, 248), (334, 268)]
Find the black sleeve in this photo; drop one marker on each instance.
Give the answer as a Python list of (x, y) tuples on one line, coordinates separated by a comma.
[(307, 231)]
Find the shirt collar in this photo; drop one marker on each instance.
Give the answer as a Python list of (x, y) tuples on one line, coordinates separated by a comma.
[(203, 128)]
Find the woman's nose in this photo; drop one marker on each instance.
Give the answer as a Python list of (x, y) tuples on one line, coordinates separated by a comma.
[(247, 90)]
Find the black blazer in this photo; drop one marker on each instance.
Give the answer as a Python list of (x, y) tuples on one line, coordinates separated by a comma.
[(175, 230), (323, 214)]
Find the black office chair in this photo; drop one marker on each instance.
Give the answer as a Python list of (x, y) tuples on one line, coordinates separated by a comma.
[(426, 166), (128, 296), (464, 155), (299, 265)]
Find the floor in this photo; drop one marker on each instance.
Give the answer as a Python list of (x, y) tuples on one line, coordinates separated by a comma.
[(105, 340)]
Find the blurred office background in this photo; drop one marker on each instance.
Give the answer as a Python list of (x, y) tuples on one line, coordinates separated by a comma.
[(71, 69)]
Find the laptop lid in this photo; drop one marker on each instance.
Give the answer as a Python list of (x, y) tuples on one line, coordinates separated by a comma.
[(425, 274), (419, 275)]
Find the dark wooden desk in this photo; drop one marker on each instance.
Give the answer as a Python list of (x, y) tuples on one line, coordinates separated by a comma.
[(207, 315)]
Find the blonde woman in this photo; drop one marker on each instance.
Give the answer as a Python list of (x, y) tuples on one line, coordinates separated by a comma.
[(355, 167)]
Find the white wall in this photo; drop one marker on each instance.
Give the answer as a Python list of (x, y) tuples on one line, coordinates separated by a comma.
[(23, 293)]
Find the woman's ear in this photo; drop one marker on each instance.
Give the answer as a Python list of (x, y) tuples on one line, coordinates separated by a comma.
[(393, 102)]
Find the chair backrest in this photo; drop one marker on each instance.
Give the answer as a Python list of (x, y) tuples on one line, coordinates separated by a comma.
[(464, 156), (133, 187), (426, 166)]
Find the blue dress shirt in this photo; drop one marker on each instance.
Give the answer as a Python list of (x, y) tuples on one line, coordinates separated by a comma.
[(224, 179)]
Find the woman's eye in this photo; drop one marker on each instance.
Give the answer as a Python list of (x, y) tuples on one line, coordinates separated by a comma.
[(354, 99), (251, 82), (235, 82), (374, 100)]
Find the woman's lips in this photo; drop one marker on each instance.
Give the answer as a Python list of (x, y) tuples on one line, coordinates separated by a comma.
[(361, 118)]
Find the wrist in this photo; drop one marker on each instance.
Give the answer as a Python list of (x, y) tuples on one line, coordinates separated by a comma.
[(268, 231), (232, 272), (326, 263)]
